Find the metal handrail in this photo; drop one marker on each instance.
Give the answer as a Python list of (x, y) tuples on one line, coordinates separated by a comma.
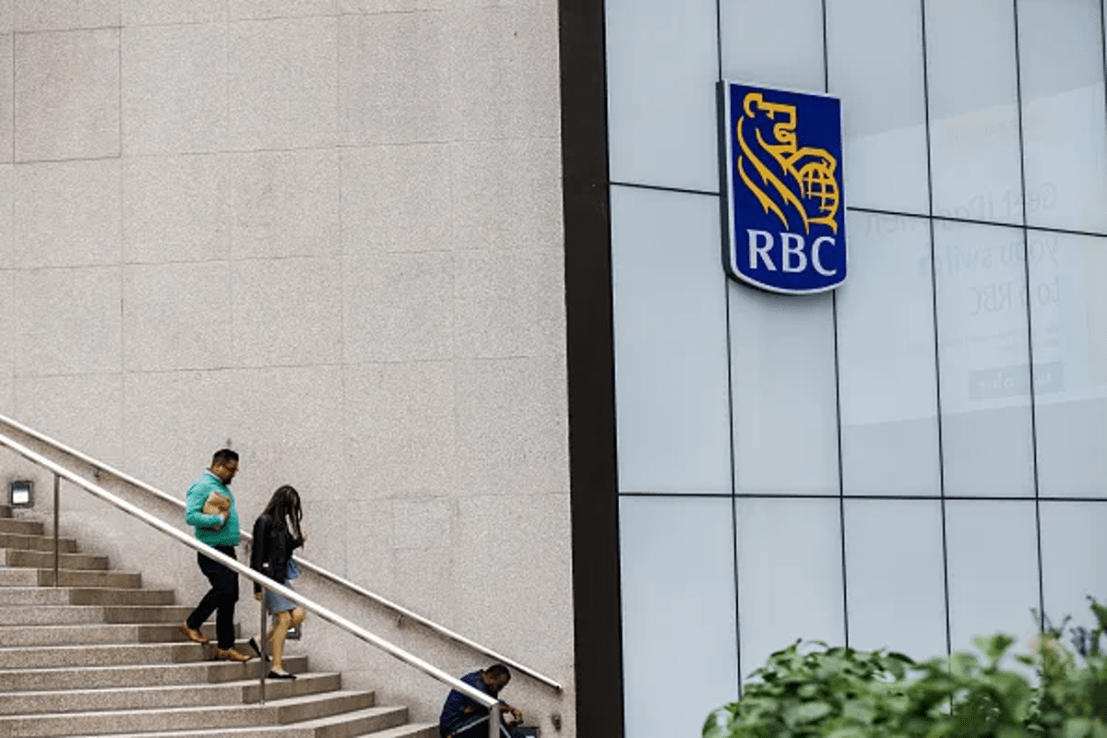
[(315, 568), (355, 630)]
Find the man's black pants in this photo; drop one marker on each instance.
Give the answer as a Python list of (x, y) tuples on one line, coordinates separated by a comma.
[(220, 599)]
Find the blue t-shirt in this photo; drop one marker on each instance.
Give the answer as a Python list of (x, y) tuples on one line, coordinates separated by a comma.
[(453, 711)]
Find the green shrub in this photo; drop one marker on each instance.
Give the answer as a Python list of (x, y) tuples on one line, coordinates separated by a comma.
[(844, 693)]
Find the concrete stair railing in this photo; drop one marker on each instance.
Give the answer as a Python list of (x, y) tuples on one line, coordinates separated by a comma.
[(98, 655)]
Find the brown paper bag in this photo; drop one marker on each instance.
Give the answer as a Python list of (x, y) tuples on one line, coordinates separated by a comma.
[(216, 504)]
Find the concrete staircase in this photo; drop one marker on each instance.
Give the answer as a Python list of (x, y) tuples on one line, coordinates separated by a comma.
[(99, 655)]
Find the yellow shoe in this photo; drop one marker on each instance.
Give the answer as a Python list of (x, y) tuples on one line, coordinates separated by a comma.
[(192, 634), (229, 654)]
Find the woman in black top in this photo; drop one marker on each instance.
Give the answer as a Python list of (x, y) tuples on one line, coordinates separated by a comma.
[(277, 534)]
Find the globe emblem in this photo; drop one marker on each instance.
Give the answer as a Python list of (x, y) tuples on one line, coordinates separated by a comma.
[(817, 183)]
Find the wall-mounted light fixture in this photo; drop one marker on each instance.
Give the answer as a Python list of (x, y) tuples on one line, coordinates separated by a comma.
[(21, 493)]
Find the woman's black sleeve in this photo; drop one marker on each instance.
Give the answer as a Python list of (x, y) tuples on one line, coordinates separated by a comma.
[(259, 552)]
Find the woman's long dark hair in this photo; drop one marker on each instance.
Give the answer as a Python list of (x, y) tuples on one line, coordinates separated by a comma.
[(284, 510)]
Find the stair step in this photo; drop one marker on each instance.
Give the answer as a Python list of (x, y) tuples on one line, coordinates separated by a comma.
[(146, 613), (409, 730), (360, 722), (113, 654), (23, 527), (34, 596), (342, 701), (84, 596), (62, 614), (45, 560), (338, 726), (276, 712), (110, 596), (27, 577), (169, 632), (178, 695), (118, 633), (36, 543), (19, 577), (50, 615), (136, 675)]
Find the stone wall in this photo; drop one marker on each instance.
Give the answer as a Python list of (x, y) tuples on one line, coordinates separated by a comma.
[(325, 233)]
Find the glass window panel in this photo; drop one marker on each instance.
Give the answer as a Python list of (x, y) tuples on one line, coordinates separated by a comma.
[(773, 42), (1068, 289), (672, 620), (785, 413), (874, 50), (789, 576), (1064, 126), (983, 353), (670, 342), (886, 368), (1073, 551), (974, 125), (992, 565), (662, 66), (896, 576)]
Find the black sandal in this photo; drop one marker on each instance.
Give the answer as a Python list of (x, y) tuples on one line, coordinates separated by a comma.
[(253, 643), (281, 675)]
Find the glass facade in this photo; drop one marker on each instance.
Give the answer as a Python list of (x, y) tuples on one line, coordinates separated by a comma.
[(916, 458)]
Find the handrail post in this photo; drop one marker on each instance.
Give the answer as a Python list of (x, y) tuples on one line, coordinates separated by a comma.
[(494, 721), (57, 544), (263, 670)]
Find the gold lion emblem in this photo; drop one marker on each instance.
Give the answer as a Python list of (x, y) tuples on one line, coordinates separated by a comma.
[(801, 178)]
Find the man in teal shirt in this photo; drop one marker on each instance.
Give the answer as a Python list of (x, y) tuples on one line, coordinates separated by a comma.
[(220, 531)]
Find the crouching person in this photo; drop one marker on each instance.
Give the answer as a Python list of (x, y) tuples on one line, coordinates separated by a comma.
[(464, 717)]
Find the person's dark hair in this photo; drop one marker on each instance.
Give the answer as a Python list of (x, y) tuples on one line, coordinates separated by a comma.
[(284, 510), (223, 455), (499, 671)]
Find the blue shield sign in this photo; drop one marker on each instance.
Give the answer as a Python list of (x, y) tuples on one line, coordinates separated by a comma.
[(785, 203)]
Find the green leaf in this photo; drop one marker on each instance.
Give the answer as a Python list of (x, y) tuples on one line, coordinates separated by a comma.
[(994, 646), (858, 711), (1100, 612), (1077, 728), (846, 733), (807, 712), (962, 665), (896, 668), (712, 728), (807, 691)]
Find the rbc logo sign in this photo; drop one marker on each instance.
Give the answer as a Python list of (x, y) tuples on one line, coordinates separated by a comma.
[(785, 204)]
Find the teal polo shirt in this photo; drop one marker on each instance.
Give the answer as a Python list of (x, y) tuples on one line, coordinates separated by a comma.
[(205, 525)]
